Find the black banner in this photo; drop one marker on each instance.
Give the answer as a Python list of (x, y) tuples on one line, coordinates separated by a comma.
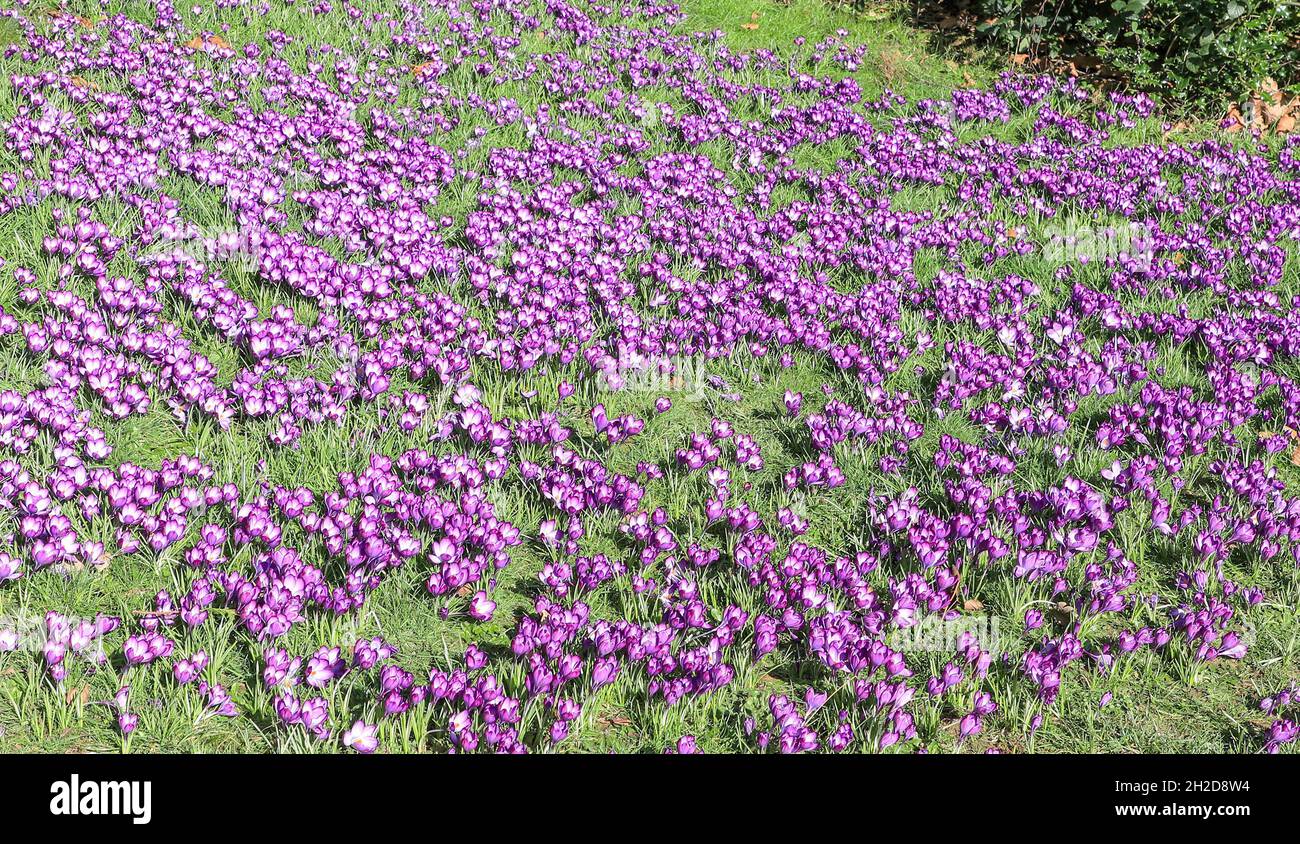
[(272, 793)]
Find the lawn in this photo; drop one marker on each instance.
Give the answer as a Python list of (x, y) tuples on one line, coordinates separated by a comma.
[(553, 376)]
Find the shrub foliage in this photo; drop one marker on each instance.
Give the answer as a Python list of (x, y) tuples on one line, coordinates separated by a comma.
[(1204, 53)]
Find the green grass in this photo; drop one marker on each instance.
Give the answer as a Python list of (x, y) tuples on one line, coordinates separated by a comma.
[(1160, 704)]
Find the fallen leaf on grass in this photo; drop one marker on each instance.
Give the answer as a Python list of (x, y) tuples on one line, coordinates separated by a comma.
[(216, 41), (1180, 126), (608, 721), (973, 605), (84, 23), (1276, 113), (1266, 108), (1234, 122)]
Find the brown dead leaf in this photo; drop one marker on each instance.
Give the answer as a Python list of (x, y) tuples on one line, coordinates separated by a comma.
[(83, 82), (607, 721), (1295, 457), (57, 14), (973, 605), (1234, 119), (1275, 113), (465, 591), (1180, 126), (198, 43), (1020, 58), (1085, 64), (1269, 89), (421, 68)]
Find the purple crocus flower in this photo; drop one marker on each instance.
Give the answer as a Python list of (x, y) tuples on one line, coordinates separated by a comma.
[(361, 737)]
